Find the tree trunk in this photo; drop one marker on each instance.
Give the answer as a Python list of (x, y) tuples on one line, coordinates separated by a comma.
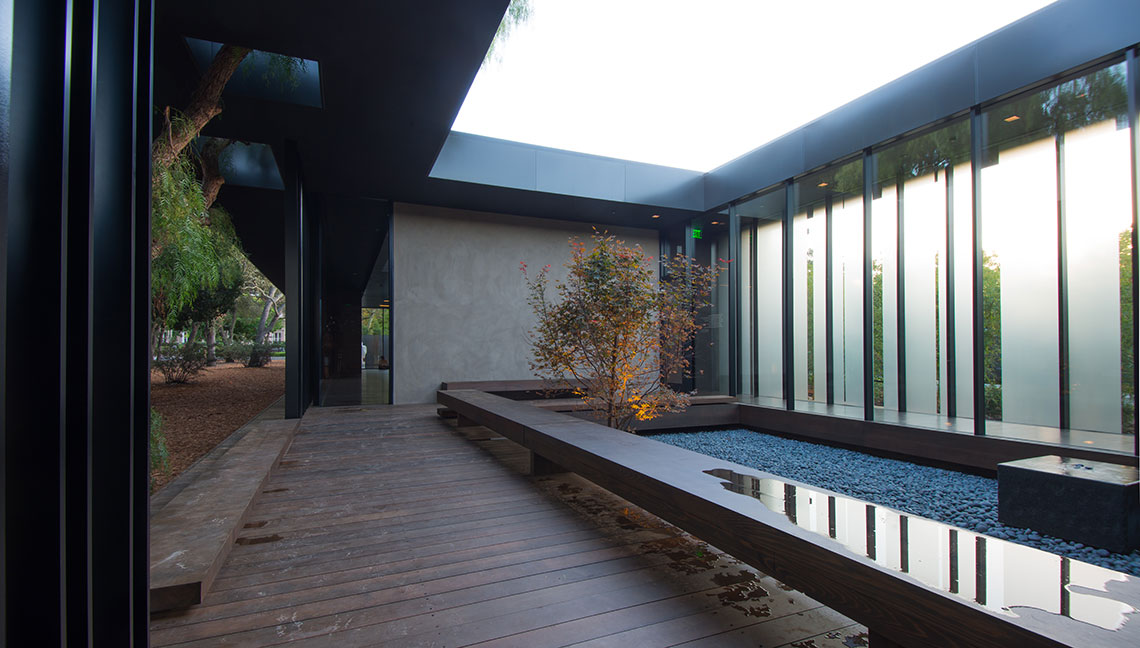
[(212, 179), (263, 324), (190, 339), (211, 342), (204, 105)]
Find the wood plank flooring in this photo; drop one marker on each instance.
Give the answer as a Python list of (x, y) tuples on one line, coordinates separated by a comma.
[(388, 526)]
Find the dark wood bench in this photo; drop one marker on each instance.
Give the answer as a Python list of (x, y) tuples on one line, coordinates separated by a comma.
[(678, 485), (192, 534)]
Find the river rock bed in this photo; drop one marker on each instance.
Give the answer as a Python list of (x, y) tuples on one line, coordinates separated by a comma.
[(961, 499)]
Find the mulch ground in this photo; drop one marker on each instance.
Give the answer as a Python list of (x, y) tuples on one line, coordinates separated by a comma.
[(200, 414)]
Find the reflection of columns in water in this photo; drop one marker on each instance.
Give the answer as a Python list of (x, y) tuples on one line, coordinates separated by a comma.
[(831, 516), (954, 561), (904, 544), (790, 502), (1064, 586), (871, 532), (980, 569)]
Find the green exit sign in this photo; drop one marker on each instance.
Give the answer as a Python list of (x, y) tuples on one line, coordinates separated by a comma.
[(696, 232)]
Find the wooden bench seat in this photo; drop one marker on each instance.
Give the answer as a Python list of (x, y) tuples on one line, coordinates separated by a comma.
[(191, 535), (690, 491)]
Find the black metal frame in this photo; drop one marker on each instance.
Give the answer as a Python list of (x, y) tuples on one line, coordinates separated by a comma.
[(1132, 59), (789, 361), (868, 290), (76, 164), (951, 303), (733, 301), (900, 288), (977, 142), (1064, 382)]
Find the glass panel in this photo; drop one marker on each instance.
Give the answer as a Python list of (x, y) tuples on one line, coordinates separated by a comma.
[(1057, 164), (762, 297), (829, 208), (710, 366), (920, 182)]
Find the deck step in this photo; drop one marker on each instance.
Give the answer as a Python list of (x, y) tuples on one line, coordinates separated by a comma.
[(192, 534)]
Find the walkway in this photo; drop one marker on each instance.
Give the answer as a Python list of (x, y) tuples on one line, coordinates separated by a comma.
[(387, 526)]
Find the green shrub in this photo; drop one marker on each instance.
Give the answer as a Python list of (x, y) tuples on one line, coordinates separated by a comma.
[(183, 363), (993, 402), (234, 351), (159, 453), (259, 355)]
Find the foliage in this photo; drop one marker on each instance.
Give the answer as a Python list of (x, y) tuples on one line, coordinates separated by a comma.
[(615, 334), (234, 351), (517, 13), (374, 321), (183, 363), (159, 452), (258, 355), (991, 325), (192, 250)]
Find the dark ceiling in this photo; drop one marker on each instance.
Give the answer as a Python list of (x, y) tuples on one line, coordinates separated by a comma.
[(394, 74)]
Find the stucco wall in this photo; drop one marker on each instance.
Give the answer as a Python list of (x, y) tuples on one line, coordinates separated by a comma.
[(459, 310)]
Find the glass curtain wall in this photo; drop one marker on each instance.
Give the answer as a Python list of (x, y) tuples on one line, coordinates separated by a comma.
[(827, 303), (762, 293), (711, 347), (922, 196), (1057, 230)]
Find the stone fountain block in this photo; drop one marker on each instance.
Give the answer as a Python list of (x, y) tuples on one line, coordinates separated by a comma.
[(1091, 502)]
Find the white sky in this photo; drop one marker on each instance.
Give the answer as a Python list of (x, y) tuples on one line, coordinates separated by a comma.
[(696, 83)]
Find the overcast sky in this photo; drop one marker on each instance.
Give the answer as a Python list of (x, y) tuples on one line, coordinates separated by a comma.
[(696, 84)]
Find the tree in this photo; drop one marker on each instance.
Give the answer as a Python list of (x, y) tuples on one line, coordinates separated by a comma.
[(518, 12), (615, 334), (272, 310)]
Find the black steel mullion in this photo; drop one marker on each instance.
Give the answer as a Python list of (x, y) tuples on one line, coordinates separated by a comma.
[(1133, 75), (829, 298), (951, 328), (977, 142), (392, 368), (788, 359), (34, 346), (294, 280), (734, 378), (900, 287), (753, 311), (868, 293), (1062, 289), (141, 360)]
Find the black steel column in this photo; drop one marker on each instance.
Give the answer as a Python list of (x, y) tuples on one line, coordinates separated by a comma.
[(951, 326), (977, 144), (75, 157), (1133, 74), (117, 432), (789, 359), (392, 368), (1062, 288), (829, 298), (868, 292), (900, 287), (34, 258), (296, 258), (734, 378)]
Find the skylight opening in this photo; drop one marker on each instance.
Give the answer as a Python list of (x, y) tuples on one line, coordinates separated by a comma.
[(266, 75), (695, 85)]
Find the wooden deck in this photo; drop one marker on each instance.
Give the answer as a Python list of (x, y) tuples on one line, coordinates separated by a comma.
[(387, 526)]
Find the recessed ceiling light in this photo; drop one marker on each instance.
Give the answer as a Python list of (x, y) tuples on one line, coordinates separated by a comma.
[(1011, 118), (822, 184), (657, 216), (715, 223)]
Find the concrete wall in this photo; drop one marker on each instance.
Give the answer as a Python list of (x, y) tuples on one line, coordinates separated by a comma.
[(459, 310)]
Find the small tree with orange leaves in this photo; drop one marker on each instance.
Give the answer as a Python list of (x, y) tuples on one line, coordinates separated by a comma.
[(615, 333)]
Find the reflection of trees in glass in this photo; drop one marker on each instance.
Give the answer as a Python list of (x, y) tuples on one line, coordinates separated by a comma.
[(1090, 99), (877, 328), (810, 324), (925, 154), (1127, 343), (991, 320), (373, 321)]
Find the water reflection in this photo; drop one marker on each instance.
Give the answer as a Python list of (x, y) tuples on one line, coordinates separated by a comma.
[(997, 574)]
